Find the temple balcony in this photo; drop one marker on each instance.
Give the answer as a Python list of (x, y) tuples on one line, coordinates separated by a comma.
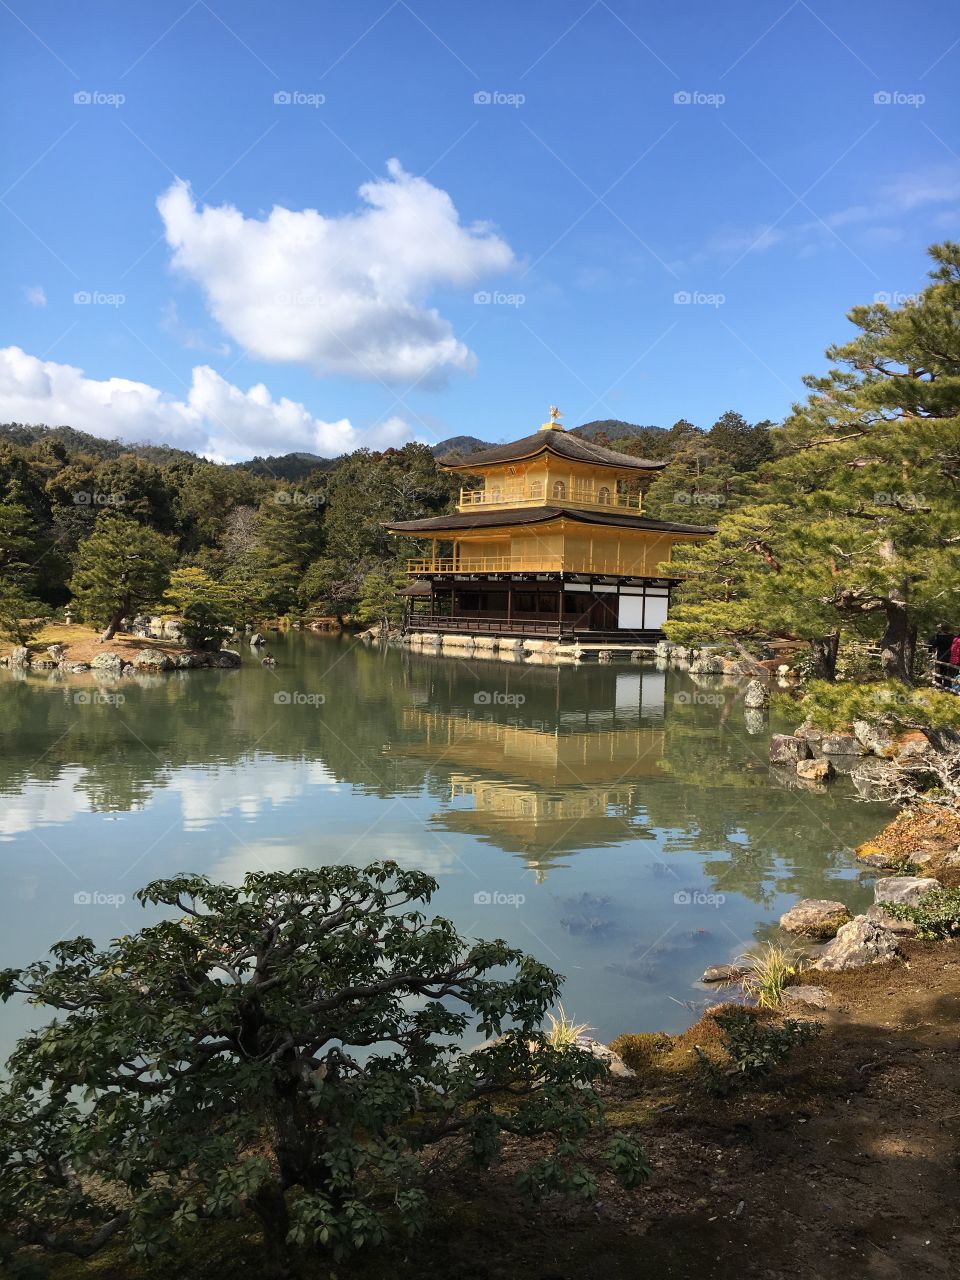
[(488, 564), (602, 498)]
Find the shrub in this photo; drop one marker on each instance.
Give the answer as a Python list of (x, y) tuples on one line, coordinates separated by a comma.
[(292, 1044), (752, 1047), (639, 1049), (936, 915)]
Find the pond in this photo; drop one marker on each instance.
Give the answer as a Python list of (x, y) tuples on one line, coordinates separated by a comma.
[(619, 822)]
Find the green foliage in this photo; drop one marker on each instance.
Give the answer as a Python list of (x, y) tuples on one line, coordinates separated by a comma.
[(936, 915), (208, 1066), (207, 609), (379, 601), (121, 567), (888, 703), (752, 1048)]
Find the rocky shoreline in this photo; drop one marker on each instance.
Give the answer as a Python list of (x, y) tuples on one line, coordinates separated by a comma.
[(109, 663)]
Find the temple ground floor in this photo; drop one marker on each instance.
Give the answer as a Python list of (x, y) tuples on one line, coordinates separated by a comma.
[(584, 608)]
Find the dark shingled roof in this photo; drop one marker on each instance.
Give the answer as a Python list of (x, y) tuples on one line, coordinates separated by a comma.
[(561, 443), (538, 515)]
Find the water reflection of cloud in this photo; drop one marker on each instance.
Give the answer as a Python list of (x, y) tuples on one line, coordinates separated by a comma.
[(43, 804), (247, 788), (327, 851)]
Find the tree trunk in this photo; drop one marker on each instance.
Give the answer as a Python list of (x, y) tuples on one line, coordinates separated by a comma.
[(271, 1208), (824, 653), (895, 645), (113, 625)]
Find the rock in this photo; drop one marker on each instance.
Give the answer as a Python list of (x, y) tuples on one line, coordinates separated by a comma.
[(872, 737), (815, 917), (706, 665), (871, 855), (873, 778), (615, 1063), (225, 658), (108, 661), (902, 928), (756, 695), (44, 665), (190, 661), (152, 660), (815, 770), (817, 997), (723, 973), (20, 657), (257, 639), (914, 746), (662, 648), (76, 667), (785, 749), (904, 890), (859, 943), (839, 744), (809, 733), (57, 652)]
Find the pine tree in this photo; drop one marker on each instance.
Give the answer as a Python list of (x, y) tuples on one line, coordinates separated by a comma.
[(121, 567)]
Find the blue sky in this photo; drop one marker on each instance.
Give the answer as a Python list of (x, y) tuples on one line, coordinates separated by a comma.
[(618, 156)]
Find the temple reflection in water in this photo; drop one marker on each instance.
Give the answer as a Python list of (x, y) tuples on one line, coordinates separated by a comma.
[(548, 782)]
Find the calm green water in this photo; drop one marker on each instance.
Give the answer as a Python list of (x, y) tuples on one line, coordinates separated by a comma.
[(619, 822)]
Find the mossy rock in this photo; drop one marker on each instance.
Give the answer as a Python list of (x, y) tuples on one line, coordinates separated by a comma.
[(640, 1049)]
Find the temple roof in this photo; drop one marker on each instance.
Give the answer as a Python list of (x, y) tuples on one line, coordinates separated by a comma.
[(558, 442), (539, 515)]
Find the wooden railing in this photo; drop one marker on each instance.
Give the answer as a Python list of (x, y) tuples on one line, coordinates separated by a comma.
[(487, 564), (530, 497)]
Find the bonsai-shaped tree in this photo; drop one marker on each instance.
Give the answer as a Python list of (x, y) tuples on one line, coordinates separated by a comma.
[(284, 1050)]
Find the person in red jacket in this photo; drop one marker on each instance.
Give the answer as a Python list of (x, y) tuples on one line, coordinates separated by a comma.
[(954, 658)]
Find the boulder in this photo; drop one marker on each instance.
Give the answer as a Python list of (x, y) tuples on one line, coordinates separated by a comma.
[(809, 733), (839, 744), (662, 648), (152, 660), (785, 749), (724, 973), (914, 746), (57, 652), (257, 639), (815, 917), (873, 778), (756, 695), (109, 661), (872, 737), (615, 1064), (76, 667), (189, 661), (225, 658), (859, 943), (902, 928), (815, 770), (904, 890), (707, 664), (20, 657), (816, 997), (871, 855)]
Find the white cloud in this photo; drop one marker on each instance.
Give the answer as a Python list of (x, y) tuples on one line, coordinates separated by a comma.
[(216, 418), (35, 294), (344, 294)]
